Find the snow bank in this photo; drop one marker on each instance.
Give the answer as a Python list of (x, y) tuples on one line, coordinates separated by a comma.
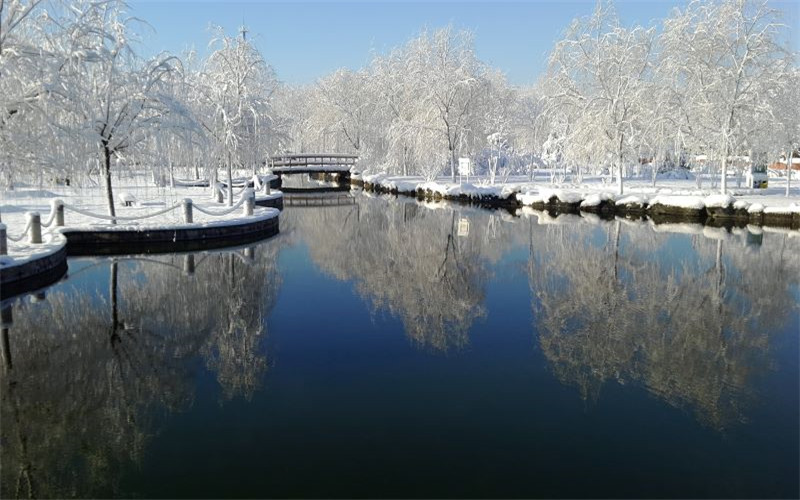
[(741, 205), (594, 200), (783, 210), (685, 202), (530, 198), (409, 185), (562, 196), (544, 195), (719, 201), (401, 184), (631, 200), (502, 191)]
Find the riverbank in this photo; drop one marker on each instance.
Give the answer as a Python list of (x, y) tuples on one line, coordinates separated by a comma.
[(673, 200)]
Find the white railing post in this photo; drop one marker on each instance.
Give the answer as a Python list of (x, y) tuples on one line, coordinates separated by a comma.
[(58, 208), (35, 222), (3, 240), (267, 187), (187, 210), (249, 201)]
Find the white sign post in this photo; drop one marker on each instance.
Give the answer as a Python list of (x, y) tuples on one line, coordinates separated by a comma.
[(464, 168)]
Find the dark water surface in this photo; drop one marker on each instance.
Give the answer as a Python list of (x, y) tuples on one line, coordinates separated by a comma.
[(385, 348)]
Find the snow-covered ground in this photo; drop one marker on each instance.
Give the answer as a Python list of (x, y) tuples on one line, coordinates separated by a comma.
[(673, 191), (87, 209)]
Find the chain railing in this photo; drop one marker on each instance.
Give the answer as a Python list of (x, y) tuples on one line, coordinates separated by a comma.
[(33, 228)]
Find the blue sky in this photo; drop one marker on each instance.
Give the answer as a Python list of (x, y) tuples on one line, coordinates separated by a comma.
[(306, 40)]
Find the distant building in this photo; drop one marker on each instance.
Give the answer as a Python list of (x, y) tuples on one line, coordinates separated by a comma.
[(781, 165)]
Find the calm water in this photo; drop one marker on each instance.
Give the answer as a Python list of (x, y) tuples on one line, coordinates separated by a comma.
[(388, 348)]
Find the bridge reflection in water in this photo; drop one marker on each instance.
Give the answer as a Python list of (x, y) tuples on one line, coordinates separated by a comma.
[(319, 200)]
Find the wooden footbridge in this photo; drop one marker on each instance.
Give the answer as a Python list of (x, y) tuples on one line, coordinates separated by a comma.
[(312, 163)]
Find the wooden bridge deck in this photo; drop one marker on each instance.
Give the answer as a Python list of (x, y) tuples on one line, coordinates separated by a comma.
[(308, 163)]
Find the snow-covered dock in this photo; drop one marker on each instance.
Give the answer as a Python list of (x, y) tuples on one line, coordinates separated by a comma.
[(28, 266), (36, 255)]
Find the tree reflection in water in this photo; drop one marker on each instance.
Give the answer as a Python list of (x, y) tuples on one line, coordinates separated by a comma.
[(693, 327), (89, 373), (618, 300), (408, 260)]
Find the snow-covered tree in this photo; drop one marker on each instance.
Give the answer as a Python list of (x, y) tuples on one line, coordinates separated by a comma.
[(600, 69), (235, 88), (784, 134), (451, 76), (106, 97), (724, 54)]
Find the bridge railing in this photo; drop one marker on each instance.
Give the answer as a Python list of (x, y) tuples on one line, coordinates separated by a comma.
[(313, 160)]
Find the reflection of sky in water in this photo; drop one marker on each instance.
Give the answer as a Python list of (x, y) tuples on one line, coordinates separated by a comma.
[(382, 354)]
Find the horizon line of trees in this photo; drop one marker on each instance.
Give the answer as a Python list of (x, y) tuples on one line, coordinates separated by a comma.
[(716, 77)]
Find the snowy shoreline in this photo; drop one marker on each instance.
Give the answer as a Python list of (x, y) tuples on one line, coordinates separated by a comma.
[(680, 202)]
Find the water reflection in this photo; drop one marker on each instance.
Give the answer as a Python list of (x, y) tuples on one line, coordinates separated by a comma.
[(93, 369), (685, 311), (406, 260), (694, 330), (90, 371)]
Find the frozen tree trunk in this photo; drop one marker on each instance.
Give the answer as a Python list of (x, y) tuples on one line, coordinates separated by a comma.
[(654, 171), (453, 164), (212, 181), (620, 159), (230, 181), (723, 187), (107, 176), (658, 161), (789, 170)]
